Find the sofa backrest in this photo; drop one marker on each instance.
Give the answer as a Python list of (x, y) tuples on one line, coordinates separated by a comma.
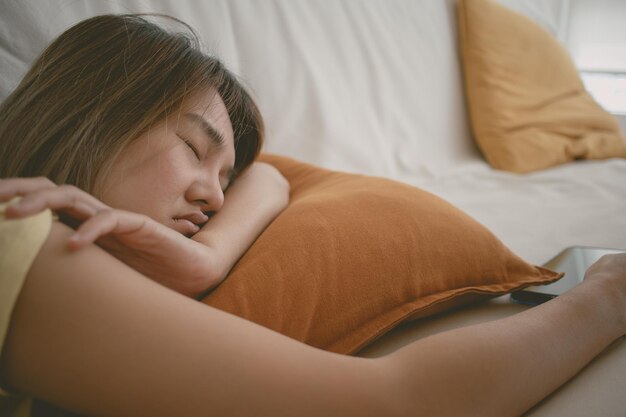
[(365, 86)]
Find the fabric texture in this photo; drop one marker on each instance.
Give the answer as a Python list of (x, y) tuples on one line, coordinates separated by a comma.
[(352, 256), (331, 64), (528, 106), (20, 241)]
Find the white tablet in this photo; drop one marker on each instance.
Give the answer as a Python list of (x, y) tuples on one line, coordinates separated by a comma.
[(573, 261)]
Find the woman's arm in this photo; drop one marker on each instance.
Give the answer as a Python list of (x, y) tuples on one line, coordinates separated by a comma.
[(92, 335), (189, 266), (253, 201), (504, 367)]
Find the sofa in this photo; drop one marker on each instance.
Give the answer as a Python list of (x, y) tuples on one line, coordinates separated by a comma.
[(378, 88)]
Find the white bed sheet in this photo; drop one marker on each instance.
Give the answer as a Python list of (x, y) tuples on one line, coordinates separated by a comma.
[(537, 215), (369, 87), (366, 86)]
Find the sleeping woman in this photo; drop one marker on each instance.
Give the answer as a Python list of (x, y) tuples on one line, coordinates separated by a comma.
[(130, 187)]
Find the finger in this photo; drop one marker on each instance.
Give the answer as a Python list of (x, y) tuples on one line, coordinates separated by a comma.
[(69, 199), (13, 187), (106, 222)]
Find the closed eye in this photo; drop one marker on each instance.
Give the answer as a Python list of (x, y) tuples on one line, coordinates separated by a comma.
[(191, 146)]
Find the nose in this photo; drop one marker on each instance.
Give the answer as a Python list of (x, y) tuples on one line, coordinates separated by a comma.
[(206, 194)]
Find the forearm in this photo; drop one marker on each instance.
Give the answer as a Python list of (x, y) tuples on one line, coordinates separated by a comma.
[(506, 366), (92, 348), (104, 342), (250, 205)]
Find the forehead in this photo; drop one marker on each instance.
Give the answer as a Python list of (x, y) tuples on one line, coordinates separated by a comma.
[(210, 106)]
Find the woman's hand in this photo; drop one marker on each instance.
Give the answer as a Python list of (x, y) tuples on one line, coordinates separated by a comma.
[(38, 194), (149, 247)]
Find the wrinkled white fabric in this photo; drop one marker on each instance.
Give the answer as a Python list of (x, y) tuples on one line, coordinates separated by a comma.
[(373, 87)]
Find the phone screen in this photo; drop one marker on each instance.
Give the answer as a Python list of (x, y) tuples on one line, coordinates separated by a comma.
[(573, 261)]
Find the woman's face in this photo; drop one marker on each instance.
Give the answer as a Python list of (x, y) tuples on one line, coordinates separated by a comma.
[(177, 172)]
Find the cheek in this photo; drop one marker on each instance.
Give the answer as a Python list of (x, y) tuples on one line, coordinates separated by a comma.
[(130, 195), (150, 178), (149, 189), (150, 199)]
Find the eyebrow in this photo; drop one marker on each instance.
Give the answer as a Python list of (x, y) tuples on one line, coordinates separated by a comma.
[(211, 132)]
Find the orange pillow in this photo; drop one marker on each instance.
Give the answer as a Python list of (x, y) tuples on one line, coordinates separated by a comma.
[(528, 106), (353, 256)]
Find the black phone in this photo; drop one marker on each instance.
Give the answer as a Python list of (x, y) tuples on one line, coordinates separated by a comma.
[(573, 261)]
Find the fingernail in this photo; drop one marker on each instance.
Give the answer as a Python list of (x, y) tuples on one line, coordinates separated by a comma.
[(18, 205), (12, 209), (74, 241)]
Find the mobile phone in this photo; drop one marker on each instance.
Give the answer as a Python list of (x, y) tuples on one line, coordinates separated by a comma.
[(573, 261)]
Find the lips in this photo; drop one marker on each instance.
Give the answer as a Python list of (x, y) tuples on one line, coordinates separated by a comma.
[(190, 224)]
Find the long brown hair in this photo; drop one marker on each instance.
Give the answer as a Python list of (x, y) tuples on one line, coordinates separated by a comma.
[(103, 83)]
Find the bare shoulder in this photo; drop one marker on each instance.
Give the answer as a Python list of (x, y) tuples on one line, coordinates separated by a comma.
[(87, 269), (55, 258)]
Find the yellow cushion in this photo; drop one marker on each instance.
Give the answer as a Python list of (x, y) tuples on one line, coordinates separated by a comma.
[(528, 106), (353, 256)]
